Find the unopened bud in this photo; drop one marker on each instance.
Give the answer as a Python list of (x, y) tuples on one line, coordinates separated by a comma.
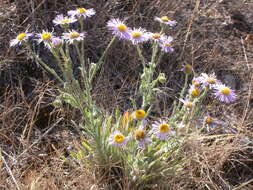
[(187, 69), (57, 103), (162, 78)]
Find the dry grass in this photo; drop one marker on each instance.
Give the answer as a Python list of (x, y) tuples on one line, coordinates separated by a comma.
[(33, 141)]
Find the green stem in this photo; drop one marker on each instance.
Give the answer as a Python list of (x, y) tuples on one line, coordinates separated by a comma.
[(182, 91), (159, 58), (41, 62), (59, 61), (100, 61), (198, 103), (154, 52), (141, 56), (67, 66), (81, 20), (106, 50)]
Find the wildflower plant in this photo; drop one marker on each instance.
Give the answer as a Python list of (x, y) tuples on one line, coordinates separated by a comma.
[(145, 151)]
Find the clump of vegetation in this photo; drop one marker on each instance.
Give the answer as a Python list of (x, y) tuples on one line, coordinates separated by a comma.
[(131, 149)]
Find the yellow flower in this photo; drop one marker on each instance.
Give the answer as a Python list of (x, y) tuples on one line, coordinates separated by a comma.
[(211, 80), (164, 128), (139, 114), (122, 27), (74, 35), (225, 91), (189, 104), (165, 19), (139, 134), (195, 92), (118, 138), (46, 36), (196, 83), (21, 36), (136, 34), (208, 120), (81, 10), (156, 36)]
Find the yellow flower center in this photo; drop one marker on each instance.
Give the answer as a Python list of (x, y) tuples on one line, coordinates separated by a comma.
[(167, 44), (46, 36), (165, 19), (225, 91), (208, 120), (195, 92), (140, 114), (64, 21), (74, 35), (118, 138), (164, 128), (211, 80), (122, 27), (156, 36), (81, 10), (189, 104), (21, 36), (136, 34), (139, 134), (195, 83)]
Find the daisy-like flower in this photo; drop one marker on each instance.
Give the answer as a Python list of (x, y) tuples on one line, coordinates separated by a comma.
[(45, 37), (118, 28), (63, 20), (141, 136), (210, 123), (157, 37), (208, 120), (117, 139), (194, 91), (138, 35), (162, 130), (139, 114), (166, 20), (82, 12), (22, 37), (165, 44), (208, 80), (187, 103), (73, 36), (224, 93)]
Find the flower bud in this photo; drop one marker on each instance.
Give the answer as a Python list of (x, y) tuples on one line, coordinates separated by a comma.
[(187, 69), (162, 78), (57, 103), (56, 42)]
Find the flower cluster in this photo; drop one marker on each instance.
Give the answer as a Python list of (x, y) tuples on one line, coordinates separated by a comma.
[(160, 129), (49, 39), (140, 35), (210, 82)]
